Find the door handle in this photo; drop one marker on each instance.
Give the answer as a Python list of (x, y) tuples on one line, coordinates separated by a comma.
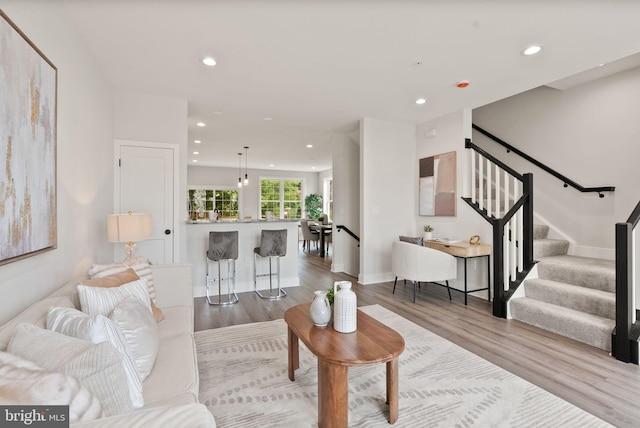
[(167, 231)]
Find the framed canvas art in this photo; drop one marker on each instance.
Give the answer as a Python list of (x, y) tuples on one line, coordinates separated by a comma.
[(28, 108), (437, 185)]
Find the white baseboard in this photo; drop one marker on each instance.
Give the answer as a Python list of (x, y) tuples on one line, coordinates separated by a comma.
[(375, 278)]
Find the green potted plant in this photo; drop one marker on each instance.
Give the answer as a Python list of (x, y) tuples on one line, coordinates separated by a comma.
[(428, 232), (313, 205)]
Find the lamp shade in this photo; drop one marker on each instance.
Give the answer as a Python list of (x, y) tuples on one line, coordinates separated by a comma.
[(128, 227)]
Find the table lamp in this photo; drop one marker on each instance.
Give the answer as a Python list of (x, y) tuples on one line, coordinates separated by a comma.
[(128, 228)]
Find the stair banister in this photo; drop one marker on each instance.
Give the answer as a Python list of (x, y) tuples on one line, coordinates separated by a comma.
[(565, 180), (625, 338)]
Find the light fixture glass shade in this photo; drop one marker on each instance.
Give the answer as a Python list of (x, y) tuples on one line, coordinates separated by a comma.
[(128, 228)]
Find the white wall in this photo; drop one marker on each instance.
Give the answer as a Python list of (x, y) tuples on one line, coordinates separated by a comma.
[(443, 135), (249, 196), (590, 134), (387, 193), (140, 117), (346, 203), (84, 170)]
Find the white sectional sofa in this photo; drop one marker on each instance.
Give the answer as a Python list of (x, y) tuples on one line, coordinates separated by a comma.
[(171, 389)]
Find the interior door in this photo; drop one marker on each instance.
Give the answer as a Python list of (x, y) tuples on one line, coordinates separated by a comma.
[(146, 177)]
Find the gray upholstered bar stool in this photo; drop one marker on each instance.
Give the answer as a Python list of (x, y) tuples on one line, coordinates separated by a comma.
[(223, 247), (273, 244)]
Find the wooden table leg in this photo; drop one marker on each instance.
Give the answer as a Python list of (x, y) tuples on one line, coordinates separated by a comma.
[(392, 390), (333, 395), (293, 354)]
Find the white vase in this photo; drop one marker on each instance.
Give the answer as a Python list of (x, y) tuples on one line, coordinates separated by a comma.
[(345, 307), (428, 236), (320, 309)]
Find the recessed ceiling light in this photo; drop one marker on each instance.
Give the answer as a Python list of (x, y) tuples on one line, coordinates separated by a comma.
[(217, 113), (209, 61), (420, 101), (272, 165), (195, 161), (313, 167), (197, 141), (532, 50), (309, 146), (268, 118), (196, 153), (201, 124)]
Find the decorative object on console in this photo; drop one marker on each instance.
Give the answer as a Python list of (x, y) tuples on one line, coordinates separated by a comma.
[(28, 111), (320, 309), (474, 240), (344, 307), (128, 228), (428, 232), (438, 185)]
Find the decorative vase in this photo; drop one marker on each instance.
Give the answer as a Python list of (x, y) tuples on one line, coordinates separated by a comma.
[(345, 308), (320, 309), (428, 236)]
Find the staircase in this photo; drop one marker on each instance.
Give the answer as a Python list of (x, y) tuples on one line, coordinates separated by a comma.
[(572, 296)]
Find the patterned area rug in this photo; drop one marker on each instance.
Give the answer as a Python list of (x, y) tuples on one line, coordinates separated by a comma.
[(244, 383)]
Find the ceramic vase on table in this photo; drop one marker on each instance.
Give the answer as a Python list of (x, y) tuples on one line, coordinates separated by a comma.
[(320, 309), (428, 236), (345, 307)]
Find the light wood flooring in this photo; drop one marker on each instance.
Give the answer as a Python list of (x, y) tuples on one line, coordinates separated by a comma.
[(585, 376)]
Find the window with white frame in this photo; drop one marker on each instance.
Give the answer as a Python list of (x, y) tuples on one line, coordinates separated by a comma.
[(327, 197), (282, 197)]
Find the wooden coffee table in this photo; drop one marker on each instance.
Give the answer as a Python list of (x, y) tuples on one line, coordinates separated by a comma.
[(372, 343)]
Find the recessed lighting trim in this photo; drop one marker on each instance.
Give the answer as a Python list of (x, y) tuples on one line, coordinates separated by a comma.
[(272, 165), (195, 161), (532, 50), (421, 101), (196, 153), (209, 61), (309, 146), (313, 167), (268, 118), (201, 124), (197, 141)]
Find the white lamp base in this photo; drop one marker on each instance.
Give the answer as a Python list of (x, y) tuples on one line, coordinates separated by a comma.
[(130, 250)]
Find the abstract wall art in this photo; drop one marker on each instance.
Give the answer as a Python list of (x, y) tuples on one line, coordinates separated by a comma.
[(28, 109), (437, 185)]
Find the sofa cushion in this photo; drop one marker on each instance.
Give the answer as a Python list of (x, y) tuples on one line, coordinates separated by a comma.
[(140, 331), (175, 371), (96, 366), (35, 314), (23, 382), (107, 276), (177, 320), (97, 329), (102, 301)]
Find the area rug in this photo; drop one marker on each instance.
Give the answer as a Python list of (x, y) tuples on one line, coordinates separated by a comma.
[(244, 383)]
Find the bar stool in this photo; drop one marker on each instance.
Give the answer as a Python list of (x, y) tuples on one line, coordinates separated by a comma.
[(223, 246), (273, 244)]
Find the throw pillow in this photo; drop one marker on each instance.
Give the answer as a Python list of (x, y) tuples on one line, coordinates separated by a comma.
[(117, 274), (140, 330), (97, 329), (23, 382), (101, 301), (411, 240), (97, 367), (139, 264)]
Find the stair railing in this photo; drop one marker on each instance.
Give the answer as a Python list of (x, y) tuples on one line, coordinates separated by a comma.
[(504, 198), (349, 232), (565, 180), (624, 340)]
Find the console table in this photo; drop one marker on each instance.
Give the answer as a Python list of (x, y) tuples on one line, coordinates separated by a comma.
[(466, 251)]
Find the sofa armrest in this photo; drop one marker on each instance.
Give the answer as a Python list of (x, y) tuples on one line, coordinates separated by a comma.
[(173, 284), (186, 415)]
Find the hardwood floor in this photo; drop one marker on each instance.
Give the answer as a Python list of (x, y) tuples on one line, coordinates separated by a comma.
[(585, 376)]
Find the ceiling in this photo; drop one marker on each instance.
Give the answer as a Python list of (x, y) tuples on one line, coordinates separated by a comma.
[(316, 67)]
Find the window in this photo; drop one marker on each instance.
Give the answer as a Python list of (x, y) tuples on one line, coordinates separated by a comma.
[(281, 197), (327, 197), (204, 201)]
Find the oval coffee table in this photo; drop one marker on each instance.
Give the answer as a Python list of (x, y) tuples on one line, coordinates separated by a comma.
[(372, 343)]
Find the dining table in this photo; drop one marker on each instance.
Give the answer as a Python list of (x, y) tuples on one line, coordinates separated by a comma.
[(322, 231)]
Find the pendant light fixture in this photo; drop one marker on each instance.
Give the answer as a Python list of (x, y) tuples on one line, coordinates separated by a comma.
[(239, 170), (246, 160)]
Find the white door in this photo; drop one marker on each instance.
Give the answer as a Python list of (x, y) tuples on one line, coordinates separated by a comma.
[(145, 184)]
